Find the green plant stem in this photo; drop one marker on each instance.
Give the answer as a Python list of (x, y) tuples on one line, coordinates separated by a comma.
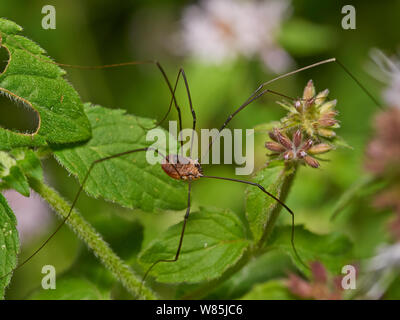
[(94, 241), (289, 173)]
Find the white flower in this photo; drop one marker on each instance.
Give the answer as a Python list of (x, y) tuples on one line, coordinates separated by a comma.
[(33, 215), (387, 70), (381, 271), (387, 257), (220, 30)]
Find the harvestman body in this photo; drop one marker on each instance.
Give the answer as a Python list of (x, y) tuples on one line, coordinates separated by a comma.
[(180, 167)]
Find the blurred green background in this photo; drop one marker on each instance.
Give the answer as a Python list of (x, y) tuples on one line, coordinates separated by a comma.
[(97, 32)]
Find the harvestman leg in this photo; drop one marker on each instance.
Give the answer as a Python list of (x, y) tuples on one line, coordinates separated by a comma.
[(124, 64), (93, 164), (252, 98), (273, 197), (256, 94), (182, 73), (185, 219), (173, 92)]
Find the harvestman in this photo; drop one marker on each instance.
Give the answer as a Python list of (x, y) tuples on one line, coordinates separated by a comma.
[(181, 167)]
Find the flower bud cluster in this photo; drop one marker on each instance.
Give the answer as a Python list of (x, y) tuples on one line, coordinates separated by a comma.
[(306, 130)]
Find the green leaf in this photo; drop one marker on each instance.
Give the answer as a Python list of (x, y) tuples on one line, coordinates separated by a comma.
[(12, 175), (271, 265), (271, 290), (17, 180), (338, 141), (31, 80), (213, 242), (15, 168), (304, 38), (261, 209), (8, 26), (72, 288), (128, 180), (9, 244), (29, 163), (333, 250)]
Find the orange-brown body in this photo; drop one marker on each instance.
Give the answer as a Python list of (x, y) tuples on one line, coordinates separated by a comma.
[(181, 168)]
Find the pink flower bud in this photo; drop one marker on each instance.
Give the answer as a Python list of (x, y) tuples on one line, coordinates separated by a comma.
[(307, 145), (320, 148), (311, 161), (326, 122), (309, 91), (297, 138), (274, 146), (283, 139), (273, 136)]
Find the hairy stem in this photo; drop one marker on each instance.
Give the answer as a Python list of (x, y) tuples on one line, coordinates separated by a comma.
[(289, 173), (93, 240)]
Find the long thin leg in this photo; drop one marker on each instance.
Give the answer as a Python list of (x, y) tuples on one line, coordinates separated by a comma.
[(359, 84), (77, 196), (244, 105), (191, 108), (115, 65), (182, 72), (273, 197), (313, 66), (178, 251), (179, 112), (256, 94), (316, 65)]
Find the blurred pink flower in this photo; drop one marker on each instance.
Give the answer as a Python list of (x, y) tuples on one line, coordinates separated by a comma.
[(320, 287), (383, 150), (220, 30), (382, 159), (33, 214)]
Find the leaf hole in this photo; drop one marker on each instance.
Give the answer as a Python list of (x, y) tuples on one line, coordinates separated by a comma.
[(17, 115), (4, 59)]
